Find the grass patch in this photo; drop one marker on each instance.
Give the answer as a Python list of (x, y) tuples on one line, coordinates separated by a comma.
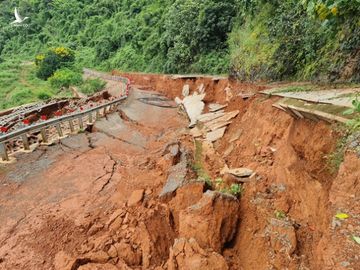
[(198, 166), (294, 89), (19, 85), (336, 158)]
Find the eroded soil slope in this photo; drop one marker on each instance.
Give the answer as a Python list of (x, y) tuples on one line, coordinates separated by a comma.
[(125, 195)]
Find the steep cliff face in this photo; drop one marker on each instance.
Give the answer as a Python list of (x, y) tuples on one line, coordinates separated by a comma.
[(92, 200)]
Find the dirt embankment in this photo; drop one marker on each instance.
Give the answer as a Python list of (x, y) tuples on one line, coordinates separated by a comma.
[(135, 204)]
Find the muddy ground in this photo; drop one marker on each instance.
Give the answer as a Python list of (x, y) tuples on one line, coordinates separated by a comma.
[(92, 200)]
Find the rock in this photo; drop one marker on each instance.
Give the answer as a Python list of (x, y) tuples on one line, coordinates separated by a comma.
[(186, 196), (128, 254), (112, 252), (194, 107), (282, 236), (177, 176), (212, 221), (236, 135), (215, 135), (186, 254), (228, 150), (238, 172), (63, 261), (95, 229), (186, 90), (99, 266), (136, 197), (115, 215), (214, 107)]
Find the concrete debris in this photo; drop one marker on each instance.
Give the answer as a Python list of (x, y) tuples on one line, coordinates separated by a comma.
[(186, 90), (215, 135), (214, 107), (201, 89), (221, 121), (210, 116), (194, 107), (177, 176)]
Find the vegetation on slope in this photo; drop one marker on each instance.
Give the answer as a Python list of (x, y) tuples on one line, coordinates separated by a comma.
[(251, 39)]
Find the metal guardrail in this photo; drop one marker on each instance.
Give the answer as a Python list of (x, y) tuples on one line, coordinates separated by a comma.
[(22, 133)]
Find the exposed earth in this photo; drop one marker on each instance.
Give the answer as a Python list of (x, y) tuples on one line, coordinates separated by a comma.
[(125, 195)]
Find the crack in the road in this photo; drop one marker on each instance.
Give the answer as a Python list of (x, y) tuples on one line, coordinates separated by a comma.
[(121, 140)]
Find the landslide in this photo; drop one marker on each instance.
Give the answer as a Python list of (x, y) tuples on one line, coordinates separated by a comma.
[(147, 210)]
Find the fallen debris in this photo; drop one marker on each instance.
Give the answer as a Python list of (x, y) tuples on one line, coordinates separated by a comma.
[(214, 107), (212, 221), (215, 135), (238, 172), (187, 254), (194, 107), (177, 176), (136, 197), (186, 90)]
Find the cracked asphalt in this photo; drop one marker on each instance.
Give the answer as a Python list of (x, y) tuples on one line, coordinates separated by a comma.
[(79, 174)]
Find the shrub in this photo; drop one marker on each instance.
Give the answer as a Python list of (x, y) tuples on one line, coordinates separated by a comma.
[(52, 60), (91, 86), (65, 78), (43, 96)]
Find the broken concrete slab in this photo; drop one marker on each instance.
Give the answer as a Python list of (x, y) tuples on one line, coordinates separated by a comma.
[(186, 90), (221, 121), (206, 117), (215, 135), (201, 89), (194, 107), (177, 176), (217, 125), (214, 107)]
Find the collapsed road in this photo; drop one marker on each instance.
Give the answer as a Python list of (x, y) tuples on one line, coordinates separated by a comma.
[(141, 190)]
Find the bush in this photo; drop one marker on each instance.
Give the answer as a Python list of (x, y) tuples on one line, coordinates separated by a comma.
[(91, 86), (53, 60), (43, 96), (65, 78)]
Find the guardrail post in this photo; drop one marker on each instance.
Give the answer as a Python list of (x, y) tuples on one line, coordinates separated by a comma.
[(104, 111), (43, 135), (97, 114), (90, 118), (58, 128), (3, 152), (71, 124), (25, 142), (81, 123)]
